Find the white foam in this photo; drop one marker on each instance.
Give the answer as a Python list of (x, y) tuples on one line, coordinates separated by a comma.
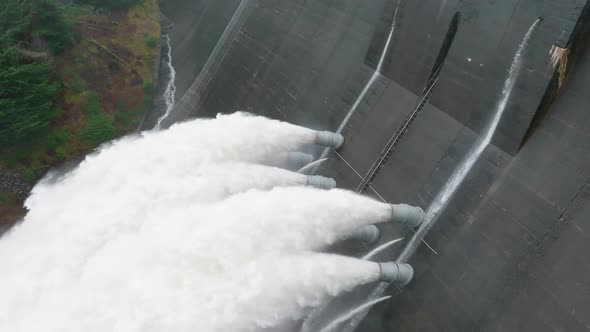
[(181, 230)]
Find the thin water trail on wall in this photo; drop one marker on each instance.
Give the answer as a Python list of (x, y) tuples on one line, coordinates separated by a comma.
[(187, 105), (324, 155), (370, 83), (170, 92), (443, 198), (381, 248), (347, 316), (195, 235), (309, 167), (441, 9), (447, 192), (375, 75)]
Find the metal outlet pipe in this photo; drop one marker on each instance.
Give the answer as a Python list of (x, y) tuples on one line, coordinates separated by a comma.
[(368, 234), (407, 214), (329, 139), (399, 273), (317, 181)]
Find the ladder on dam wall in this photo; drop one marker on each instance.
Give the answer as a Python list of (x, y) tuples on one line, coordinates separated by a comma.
[(399, 134), (416, 110)]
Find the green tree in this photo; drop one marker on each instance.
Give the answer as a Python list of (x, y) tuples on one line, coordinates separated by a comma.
[(14, 20), (22, 21), (49, 23), (26, 99), (27, 91), (109, 4), (99, 128)]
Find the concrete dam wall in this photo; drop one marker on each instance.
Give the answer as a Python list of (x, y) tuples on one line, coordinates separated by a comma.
[(507, 253)]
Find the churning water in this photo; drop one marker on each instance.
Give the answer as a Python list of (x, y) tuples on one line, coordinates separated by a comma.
[(183, 229)]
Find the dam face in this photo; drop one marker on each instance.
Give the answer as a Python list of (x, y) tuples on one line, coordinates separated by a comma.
[(508, 252)]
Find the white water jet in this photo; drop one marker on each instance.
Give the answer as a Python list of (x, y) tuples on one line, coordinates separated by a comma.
[(191, 236), (206, 183), (282, 295), (309, 167), (309, 219), (170, 92), (140, 171), (345, 317), (234, 137), (309, 325), (290, 160), (446, 194), (380, 248)]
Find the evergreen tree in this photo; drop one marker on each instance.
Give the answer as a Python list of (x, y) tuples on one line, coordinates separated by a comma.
[(27, 93), (49, 23), (26, 99), (110, 4)]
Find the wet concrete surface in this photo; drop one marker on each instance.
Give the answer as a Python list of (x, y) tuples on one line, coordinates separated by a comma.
[(508, 253)]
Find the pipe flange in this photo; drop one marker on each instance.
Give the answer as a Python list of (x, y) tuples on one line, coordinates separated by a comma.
[(400, 273), (368, 234), (329, 139), (321, 182)]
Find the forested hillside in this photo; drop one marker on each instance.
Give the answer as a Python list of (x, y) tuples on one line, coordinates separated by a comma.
[(72, 76)]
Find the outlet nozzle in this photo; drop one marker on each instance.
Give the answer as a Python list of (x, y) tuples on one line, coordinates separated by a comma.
[(329, 139), (399, 273), (407, 214), (321, 182), (368, 234)]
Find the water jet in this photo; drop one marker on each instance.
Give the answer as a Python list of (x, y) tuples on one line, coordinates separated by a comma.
[(293, 160)]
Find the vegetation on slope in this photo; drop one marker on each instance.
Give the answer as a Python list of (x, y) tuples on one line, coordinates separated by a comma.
[(72, 76), (27, 86)]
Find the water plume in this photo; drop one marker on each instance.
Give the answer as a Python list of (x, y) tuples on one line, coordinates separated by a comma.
[(290, 160), (283, 295), (184, 230), (306, 219), (307, 169)]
